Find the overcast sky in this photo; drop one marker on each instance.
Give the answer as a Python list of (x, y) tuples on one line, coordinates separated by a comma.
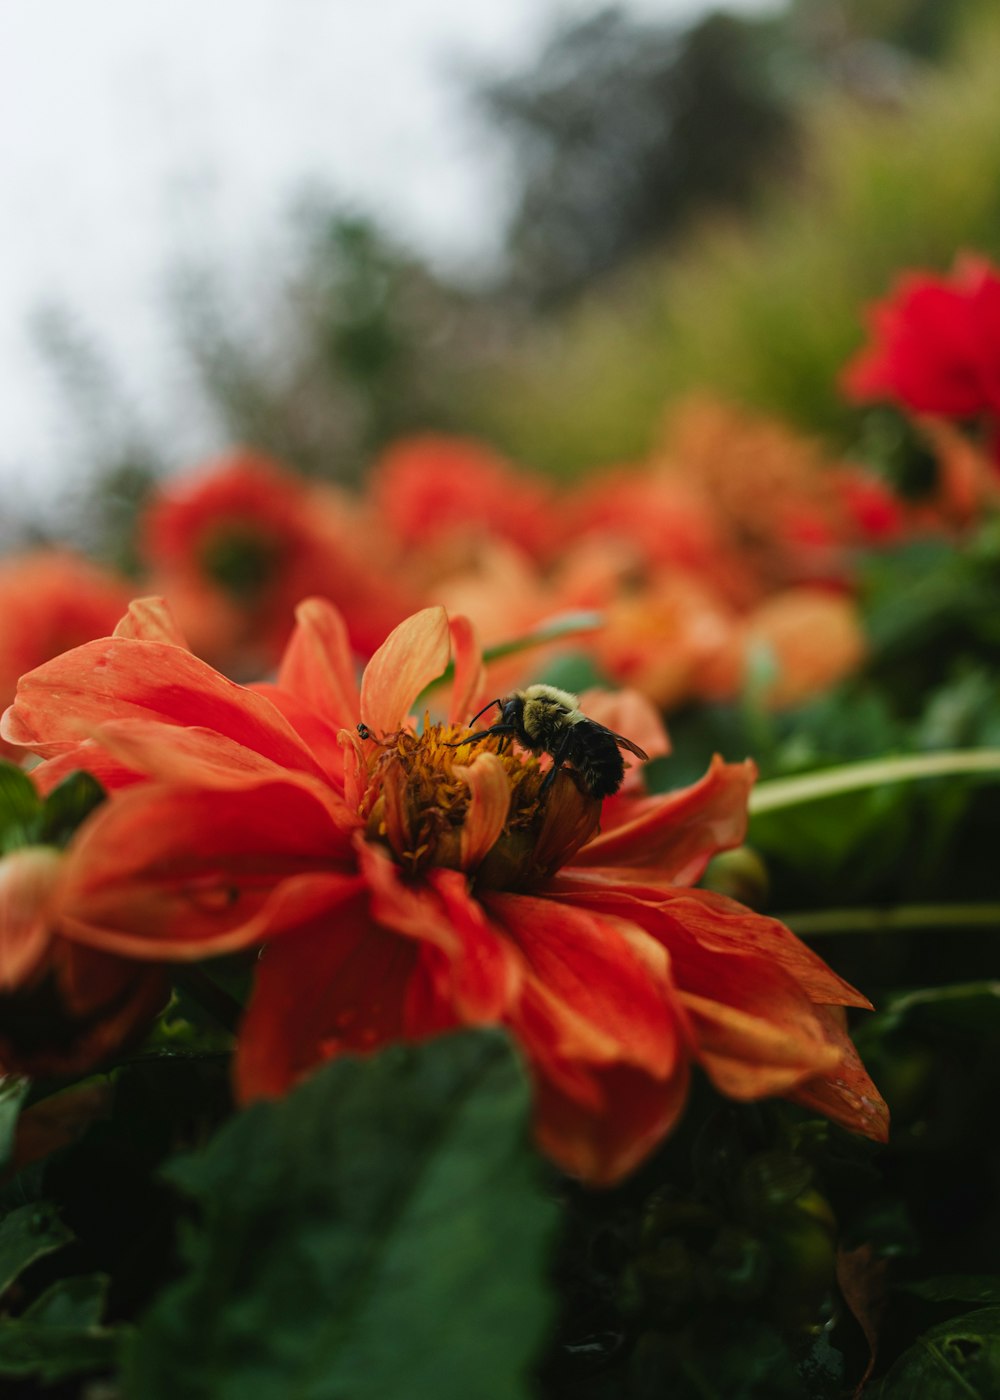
[(135, 134)]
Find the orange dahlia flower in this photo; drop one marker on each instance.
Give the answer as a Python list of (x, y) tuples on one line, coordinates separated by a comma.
[(406, 883), (51, 600)]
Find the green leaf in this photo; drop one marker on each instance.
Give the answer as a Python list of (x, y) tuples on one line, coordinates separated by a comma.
[(13, 1091), (20, 809), (60, 1334), (960, 1288), (957, 1360), (378, 1234), (67, 805), (25, 1235)]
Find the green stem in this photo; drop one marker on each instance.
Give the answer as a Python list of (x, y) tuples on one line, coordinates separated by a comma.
[(209, 996), (815, 923), (777, 793)]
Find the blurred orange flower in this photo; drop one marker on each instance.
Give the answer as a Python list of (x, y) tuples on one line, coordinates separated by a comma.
[(788, 513), (404, 883), (812, 639), (51, 600), (235, 545), (64, 1007)]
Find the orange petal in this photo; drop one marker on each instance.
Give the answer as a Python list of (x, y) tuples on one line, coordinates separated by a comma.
[(28, 882), (336, 985), (605, 1006), (602, 1148), (847, 1095), (202, 758), (487, 974), (414, 655), (470, 673), (489, 805), (171, 873), (720, 927), (67, 699), (675, 835), (318, 665), (150, 620)]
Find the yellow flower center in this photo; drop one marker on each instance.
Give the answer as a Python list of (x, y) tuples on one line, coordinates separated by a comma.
[(417, 805)]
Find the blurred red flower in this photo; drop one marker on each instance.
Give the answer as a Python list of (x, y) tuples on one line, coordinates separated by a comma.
[(431, 489), (934, 344), (50, 601), (403, 886), (235, 544)]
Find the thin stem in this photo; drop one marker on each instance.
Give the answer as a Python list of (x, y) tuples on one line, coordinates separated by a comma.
[(777, 793), (209, 996), (815, 923)]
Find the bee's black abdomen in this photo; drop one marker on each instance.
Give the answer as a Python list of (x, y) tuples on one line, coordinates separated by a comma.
[(596, 758)]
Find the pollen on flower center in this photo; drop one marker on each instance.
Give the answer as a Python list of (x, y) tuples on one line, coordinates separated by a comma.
[(420, 804)]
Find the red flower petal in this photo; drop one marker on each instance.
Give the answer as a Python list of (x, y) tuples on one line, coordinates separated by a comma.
[(847, 1096), (164, 872), (606, 1007), (67, 699), (414, 655), (337, 985), (676, 835)]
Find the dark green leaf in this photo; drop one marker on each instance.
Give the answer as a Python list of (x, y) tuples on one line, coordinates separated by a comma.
[(67, 805), (60, 1334), (957, 1360), (20, 808), (13, 1091), (961, 1288), (378, 1234), (25, 1235)]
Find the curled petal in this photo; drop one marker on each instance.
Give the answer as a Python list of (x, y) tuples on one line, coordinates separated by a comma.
[(413, 656), (318, 665), (846, 1095), (28, 883), (470, 673), (676, 835), (488, 807), (150, 620), (715, 925)]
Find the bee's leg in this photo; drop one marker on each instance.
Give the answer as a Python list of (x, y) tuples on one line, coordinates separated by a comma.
[(503, 729), (559, 756)]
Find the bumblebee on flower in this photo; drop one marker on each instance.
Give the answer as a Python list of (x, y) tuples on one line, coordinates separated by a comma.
[(408, 883)]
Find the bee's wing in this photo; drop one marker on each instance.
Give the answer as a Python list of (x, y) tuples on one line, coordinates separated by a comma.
[(621, 741), (624, 743)]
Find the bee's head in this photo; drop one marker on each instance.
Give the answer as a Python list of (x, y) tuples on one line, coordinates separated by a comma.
[(512, 708)]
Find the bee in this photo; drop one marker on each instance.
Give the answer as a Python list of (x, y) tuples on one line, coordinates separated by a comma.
[(546, 720)]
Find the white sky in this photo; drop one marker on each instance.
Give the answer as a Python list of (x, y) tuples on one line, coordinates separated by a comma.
[(134, 134)]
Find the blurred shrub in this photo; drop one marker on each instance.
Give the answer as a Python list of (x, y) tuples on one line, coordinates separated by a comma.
[(768, 313)]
